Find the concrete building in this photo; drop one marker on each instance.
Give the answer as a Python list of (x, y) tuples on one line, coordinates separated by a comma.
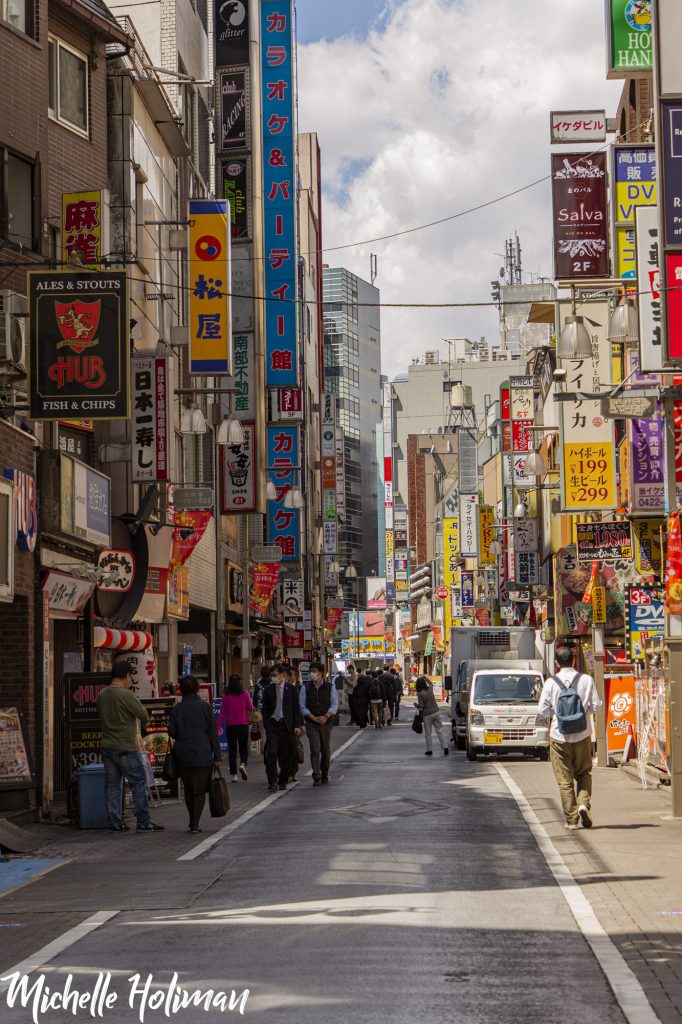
[(352, 356), (421, 405)]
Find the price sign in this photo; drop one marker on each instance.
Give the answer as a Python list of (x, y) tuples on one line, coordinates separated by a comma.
[(590, 477)]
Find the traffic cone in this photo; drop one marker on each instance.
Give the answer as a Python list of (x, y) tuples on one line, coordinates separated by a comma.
[(630, 750)]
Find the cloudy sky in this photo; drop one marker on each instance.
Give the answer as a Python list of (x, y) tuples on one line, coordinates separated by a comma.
[(425, 108)]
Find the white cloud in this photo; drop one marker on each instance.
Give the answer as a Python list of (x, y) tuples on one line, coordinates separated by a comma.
[(444, 107)]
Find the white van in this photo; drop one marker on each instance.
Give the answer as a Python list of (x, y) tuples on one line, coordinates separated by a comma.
[(502, 713)]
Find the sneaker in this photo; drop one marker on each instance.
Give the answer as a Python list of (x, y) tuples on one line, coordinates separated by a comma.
[(571, 828), (242, 772), (445, 751), (235, 778), (151, 827), (194, 830), (119, 828), (585, 818), (428, 753)]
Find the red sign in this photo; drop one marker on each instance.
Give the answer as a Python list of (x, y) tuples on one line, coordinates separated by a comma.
[(265, 577), (329, 473), (620, 711), (442, 593), (673, 306), (291, 403), (505, 398), (522, 437), (190, 527)]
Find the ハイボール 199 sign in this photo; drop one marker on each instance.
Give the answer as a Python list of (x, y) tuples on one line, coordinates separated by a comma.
[(78, 354)]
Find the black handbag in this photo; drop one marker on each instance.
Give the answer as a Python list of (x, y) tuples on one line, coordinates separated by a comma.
[(300, 751), (169, 772), (418, 723), (218, 795)]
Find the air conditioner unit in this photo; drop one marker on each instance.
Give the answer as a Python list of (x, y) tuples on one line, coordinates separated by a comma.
[(13, 325)]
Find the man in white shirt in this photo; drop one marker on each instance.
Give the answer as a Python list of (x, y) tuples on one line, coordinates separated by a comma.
[(571, 752)]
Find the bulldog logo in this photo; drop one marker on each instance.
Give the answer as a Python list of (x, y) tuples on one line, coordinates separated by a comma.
[(78, 322)]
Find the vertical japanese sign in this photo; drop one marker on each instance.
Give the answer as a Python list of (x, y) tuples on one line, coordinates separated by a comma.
[(468, 519), (588, 449), (284, 524), (153, 436), (669, 151), (628, 32), (634, 184), (244, 373), (238, 473), (467, 448), (210, 314), (84, 226), (486, 527), (329, 473), (387, 422), (522, 412), (451, 571), (581, 241), (279, 193), (649, 287)]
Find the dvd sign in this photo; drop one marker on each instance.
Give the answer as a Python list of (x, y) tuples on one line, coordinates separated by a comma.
[(79, 353)]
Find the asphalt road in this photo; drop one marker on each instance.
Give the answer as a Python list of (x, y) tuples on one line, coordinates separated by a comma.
[(408, 889)]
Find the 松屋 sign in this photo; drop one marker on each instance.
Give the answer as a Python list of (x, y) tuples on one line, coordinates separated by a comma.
[(209, 269), (153, 436)]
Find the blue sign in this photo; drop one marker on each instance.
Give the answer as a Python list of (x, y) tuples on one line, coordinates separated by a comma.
[(97, 507), (671, 149), (222, 731), (284, 524), (279, 194)]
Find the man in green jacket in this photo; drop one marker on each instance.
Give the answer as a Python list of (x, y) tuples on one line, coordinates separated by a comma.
[(119, 712)]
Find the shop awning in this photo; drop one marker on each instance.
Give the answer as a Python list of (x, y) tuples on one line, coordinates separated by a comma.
[(122, 639), (542, 313)]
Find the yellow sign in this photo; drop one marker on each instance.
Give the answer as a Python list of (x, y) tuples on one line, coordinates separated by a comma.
[(590, 476), (486, 535), (648, 545), (451, 559), (210, 314), (599, 605), (628, 196), (390, 543), (178, 593), (83, 214)]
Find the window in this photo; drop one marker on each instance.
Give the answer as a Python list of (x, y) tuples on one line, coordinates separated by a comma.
[(19, 201), (19, 14), (68, 86)]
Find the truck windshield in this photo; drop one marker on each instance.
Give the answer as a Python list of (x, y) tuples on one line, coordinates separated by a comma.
[(506, 688)]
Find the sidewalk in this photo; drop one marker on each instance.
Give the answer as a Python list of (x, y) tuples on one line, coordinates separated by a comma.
[(98, 870), (630, 865)]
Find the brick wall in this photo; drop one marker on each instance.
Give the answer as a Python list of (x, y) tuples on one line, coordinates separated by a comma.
[(17, 619), (416, 505)]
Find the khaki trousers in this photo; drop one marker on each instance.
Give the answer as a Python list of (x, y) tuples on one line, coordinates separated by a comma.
[(572, 764)]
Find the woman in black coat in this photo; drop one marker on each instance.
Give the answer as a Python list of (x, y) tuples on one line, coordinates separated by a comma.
[(359, 701), (196, 747)]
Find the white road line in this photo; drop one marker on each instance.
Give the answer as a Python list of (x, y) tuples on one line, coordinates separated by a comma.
[(626, 987), (216, 837), (57, 946)]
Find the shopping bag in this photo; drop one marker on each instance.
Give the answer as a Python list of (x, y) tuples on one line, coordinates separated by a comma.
[(218, 796), (387, 714), (418, 723)]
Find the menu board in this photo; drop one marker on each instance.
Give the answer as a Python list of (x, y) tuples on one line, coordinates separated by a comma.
[(155, 737), (14, 767)]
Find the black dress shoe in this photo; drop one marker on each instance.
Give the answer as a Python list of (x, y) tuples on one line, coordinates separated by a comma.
[(317, 782), (325, 780), (273, 789), (282, 785)]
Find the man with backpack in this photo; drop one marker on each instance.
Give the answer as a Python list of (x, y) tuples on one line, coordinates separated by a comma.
[(569, 699), (376, 700)]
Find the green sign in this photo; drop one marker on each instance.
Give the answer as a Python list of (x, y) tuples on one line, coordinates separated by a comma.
[(629, 37)]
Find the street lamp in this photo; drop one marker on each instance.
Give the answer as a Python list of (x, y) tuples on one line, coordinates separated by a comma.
[(623, 325), (575, 341), (534, 464), (193, 421)]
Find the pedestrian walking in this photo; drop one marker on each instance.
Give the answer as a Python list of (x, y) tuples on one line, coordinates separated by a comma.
[(569, 699), (431, 714), (282, 719), (297, 744), (196, 747), (319, 704), (259, 688), (397, 693), (121, 714), (360, 700), (386, 680), (376, 700), (234, 713)]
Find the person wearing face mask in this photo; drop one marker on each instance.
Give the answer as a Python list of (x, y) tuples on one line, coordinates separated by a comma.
[(319, 704), (282, 720)]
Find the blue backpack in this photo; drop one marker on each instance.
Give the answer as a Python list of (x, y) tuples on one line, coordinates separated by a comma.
[(570, 713)]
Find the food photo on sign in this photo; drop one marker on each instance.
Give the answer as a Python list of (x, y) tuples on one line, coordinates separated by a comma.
[(572, 578)]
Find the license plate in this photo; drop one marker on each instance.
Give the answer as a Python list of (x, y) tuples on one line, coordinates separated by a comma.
[(492, 737)]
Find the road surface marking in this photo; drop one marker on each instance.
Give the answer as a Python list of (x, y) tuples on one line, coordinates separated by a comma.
[(628, 992)]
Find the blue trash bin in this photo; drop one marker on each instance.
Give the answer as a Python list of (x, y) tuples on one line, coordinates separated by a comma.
[(92, 803)]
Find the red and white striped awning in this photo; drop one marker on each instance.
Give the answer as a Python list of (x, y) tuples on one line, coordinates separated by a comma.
[(122, 639)]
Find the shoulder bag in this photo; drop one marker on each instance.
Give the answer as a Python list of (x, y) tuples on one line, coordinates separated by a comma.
[(218, 795)]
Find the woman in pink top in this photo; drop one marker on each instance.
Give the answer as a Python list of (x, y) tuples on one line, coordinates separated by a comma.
[(234, 715)]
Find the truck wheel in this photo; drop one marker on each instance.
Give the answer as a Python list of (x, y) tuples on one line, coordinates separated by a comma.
[(543, 754), (471, 753)]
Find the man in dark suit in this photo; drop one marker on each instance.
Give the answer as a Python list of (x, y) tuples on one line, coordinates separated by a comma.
[(283, 720)]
